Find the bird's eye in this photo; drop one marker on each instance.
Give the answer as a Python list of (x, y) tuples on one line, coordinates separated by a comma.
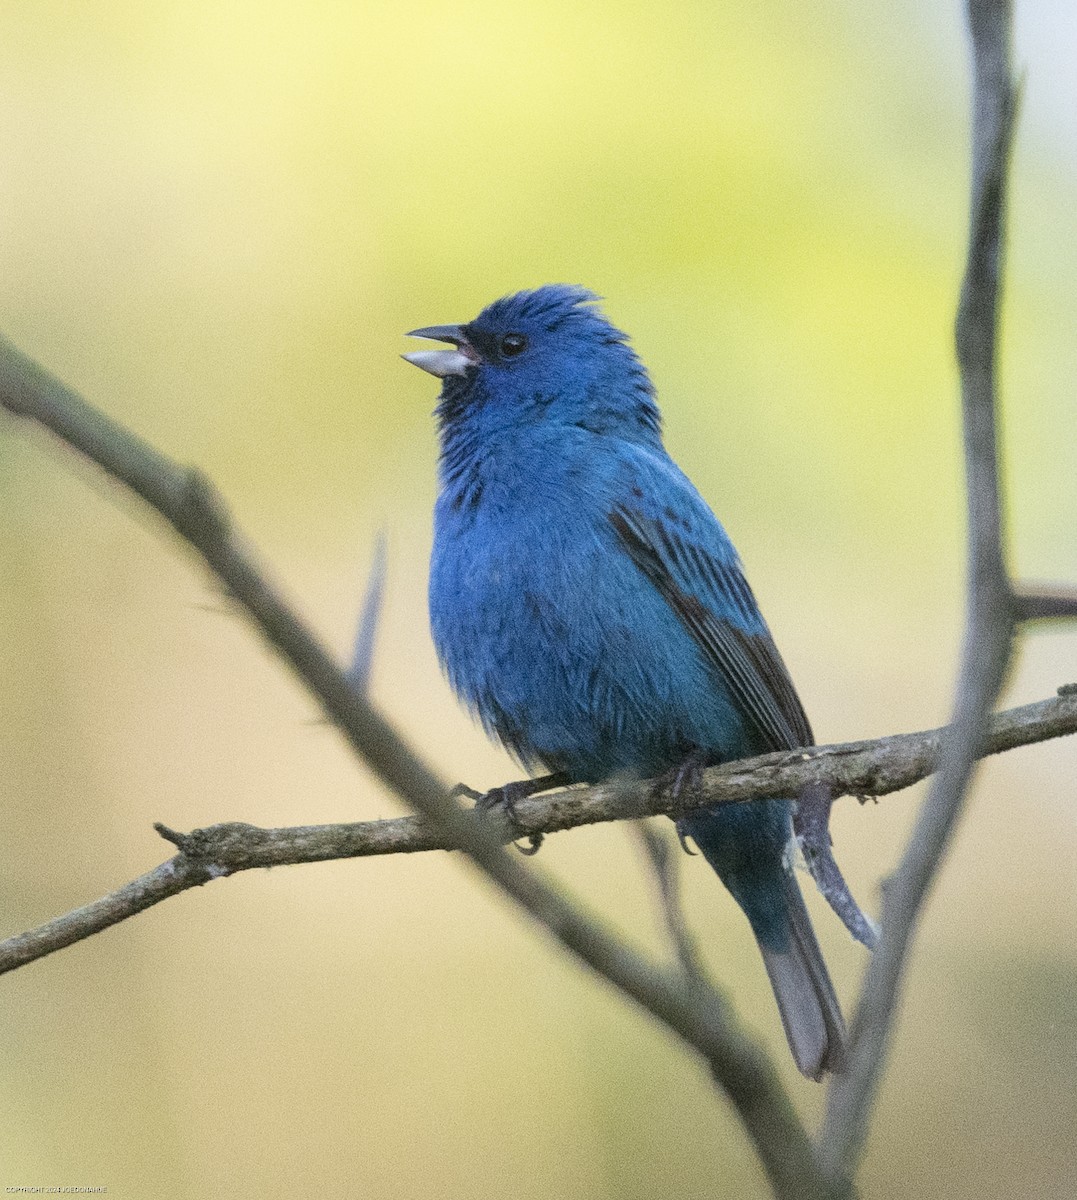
[(512, 344)]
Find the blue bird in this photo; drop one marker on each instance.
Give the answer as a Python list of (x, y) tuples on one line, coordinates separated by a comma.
[(589, 608)]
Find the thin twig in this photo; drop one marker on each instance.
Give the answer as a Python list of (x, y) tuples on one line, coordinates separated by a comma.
[(867, 768), (187, 500), (361, 666), (990, 618), (661, 854), (1044, 601)]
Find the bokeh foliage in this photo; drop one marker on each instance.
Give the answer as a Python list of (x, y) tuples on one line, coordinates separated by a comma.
[(218, 220)]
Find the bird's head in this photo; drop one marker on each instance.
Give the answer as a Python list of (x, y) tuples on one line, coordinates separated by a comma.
[(547, 356)]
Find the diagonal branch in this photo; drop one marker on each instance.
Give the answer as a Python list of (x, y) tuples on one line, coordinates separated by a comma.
[(991, 609), (187, 500)]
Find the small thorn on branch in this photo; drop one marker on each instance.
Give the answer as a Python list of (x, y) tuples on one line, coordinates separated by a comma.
[(179, 840), (202, 511)]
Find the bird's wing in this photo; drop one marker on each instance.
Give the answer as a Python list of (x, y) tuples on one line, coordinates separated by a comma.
[(705, 586)]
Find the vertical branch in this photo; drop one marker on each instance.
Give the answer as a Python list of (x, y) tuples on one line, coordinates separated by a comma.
[(990, 606)]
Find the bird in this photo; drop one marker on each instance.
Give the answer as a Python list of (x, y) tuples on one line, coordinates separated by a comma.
[(589, 608)]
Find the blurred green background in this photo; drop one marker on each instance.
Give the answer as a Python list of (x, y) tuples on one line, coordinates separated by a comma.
[(217, 222)]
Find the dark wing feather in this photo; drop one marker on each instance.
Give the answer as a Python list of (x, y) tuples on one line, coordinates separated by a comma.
[(698, 587)]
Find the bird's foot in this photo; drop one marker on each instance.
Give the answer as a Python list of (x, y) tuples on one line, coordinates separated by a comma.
[(506, 797), (681, 781)]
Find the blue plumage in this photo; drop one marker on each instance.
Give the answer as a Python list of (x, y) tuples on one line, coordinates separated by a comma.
[(590, 609)]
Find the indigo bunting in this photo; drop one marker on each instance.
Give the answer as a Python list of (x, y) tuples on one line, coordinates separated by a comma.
[(589, 608)]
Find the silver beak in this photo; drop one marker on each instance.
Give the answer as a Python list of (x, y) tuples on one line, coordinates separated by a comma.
[(442, 362)]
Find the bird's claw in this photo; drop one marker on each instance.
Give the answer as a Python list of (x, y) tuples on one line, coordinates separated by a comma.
[(682, 837), (508, 796), (505, 800)]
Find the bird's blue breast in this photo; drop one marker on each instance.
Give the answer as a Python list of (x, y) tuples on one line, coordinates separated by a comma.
[(546, 627)]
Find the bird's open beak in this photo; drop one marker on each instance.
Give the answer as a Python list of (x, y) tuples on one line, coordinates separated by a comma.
[(443, 362)]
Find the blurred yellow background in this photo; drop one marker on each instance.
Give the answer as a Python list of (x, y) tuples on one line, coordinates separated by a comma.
[(218, 220)]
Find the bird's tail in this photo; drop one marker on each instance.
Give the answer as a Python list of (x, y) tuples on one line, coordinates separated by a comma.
[(808, 1006)]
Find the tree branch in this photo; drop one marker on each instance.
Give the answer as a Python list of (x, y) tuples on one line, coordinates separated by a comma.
[(661, 852), (187, 500), (991, 608), (1044, 601), (874, 768)]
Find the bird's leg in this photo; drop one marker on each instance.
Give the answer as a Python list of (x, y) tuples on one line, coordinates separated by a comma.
[(508, 795), (683, 779)]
